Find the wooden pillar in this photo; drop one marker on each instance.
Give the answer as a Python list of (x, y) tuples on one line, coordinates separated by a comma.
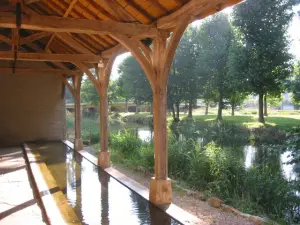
[(104, 154), (101, 81), (78, 144), (156, 63)]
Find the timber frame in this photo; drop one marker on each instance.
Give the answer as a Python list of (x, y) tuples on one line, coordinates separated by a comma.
[(69, 37)]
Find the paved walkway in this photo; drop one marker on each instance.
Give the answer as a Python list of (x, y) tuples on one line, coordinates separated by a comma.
[(17, 203)]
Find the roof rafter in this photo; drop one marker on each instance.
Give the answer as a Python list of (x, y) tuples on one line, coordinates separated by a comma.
[(39, 70), (9, 55), (71, 6), (58, 24), (194, 8), (33, 37)]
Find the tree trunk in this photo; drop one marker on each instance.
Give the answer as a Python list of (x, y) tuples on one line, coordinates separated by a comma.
[(177, 110), (220, 107), (232, 110), (137, 107), (185, 107), (206, 109), (173, 113), (151, 108), (126, 105), (261, 118), (190, 108), (265, 105)]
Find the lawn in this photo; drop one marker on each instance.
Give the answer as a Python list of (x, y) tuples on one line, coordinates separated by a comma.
[(282, 122)]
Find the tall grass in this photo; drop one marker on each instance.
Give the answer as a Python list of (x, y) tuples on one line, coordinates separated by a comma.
[(217, 170)]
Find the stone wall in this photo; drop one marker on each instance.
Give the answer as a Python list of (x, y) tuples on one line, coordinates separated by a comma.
[(31, 108)]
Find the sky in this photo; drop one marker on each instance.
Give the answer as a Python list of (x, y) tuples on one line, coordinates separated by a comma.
[(294, 34)]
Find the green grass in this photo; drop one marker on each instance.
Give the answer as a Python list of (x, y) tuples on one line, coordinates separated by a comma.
[(281, 122)]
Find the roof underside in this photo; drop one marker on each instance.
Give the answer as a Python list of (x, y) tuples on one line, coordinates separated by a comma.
[(126, 11)]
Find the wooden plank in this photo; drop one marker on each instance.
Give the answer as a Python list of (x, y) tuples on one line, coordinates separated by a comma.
[(9, 55), (68, 39), (114, 8), (58, 24), (39, 70), (159, 6), (33, 37)]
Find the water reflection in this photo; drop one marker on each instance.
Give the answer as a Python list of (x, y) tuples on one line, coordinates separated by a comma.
[(253, 155), (95, 196)]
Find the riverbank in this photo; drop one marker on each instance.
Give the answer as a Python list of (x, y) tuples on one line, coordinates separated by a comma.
[(233, 160)]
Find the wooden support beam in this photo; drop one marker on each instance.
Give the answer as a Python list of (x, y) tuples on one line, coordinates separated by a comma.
[(5, 39), (193, 8), (69, 40), (33, 37), (100, 82), (78, 144), (71, 6), (38, 49), (58, 24), (156, 63), (6, 55), (39, 71), (28, 2)]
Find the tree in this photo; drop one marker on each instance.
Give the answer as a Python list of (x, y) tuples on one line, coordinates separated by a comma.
[(215, 35), (133, 82), (264, 24), (237, 64), (88, 92), (183, 79), (175, 92), (295, 84)]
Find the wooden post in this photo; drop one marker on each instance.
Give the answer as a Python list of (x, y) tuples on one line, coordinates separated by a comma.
[(101, 84), (156, 63), (104, 154), (78, 144)]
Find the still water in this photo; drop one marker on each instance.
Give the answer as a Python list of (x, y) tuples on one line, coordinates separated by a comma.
[(96, 197), (253, 155)]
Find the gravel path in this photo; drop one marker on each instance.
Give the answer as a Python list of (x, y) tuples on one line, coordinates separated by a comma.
[(191, 204)]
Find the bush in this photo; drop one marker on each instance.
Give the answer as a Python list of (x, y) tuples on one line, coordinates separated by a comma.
[(126, 143)]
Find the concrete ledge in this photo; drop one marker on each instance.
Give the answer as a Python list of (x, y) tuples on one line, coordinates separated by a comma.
[(54, 202), (172, 210)]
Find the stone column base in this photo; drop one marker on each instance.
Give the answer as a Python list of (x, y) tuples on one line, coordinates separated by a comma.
[(160, 191), (78, 144), (104, 159)]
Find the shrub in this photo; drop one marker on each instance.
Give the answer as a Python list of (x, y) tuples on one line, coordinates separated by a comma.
[(126, 143)]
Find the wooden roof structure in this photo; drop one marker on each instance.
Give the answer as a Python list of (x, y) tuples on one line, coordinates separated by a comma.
[(87, 26), (71, 36)]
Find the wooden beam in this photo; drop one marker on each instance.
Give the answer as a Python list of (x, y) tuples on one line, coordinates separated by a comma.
[(39, 70), (28, 2), (69, 40), (71, 6), (193, 8), (5, 39), (159, 6), (114, 8), (58, 24), (33, 37), (6, 55), (38, 49)]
